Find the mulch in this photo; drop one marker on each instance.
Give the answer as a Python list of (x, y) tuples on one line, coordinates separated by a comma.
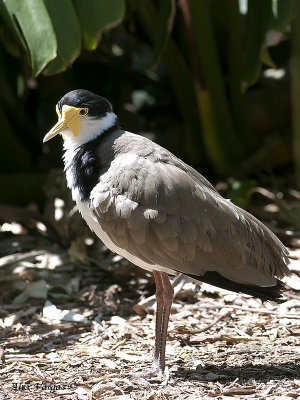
[(69, 330)]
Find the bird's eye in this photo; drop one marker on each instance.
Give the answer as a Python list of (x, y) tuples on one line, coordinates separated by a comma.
[(83, 111)]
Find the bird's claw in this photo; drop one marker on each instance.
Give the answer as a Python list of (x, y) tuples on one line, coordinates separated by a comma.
[(154, 373)]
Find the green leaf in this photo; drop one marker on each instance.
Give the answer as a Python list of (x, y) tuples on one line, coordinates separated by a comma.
[(257, 24), (282, 14), (68, 34), (263, 16), (95, 16), (180, 77), (9, 30), (60, 292), (37, 290), (222, 143), (33, 27), (167, 11), (266, 57)]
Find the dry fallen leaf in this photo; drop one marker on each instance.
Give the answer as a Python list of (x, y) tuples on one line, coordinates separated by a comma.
[(51, 312)]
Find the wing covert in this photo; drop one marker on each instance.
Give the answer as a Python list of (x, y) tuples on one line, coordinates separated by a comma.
[(163, 215)]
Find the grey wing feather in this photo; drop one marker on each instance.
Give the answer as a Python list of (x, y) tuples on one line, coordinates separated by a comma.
[(166, 213)]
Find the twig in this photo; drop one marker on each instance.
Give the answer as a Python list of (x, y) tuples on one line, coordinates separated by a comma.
[(17, 257), (253, 310), (239, 391), (206, 328), (32, 360), (224, 338), (214, 322)]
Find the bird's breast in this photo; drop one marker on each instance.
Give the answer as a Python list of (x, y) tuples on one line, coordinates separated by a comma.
[(96, 227)]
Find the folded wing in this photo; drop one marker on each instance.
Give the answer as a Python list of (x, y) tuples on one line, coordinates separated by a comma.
[(165, 213)]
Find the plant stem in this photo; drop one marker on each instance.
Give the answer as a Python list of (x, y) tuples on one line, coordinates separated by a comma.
[(295, 89), (234, 58), (181, 79), (223, 145)]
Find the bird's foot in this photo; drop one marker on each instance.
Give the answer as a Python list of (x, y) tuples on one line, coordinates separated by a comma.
[(155, 373)]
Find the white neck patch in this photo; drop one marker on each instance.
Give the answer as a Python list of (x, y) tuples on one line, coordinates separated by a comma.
[(90, 128)]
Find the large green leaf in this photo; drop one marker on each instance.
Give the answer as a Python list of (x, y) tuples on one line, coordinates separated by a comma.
[(282, 14), (295, 91), (279, 19), (95, 16), (262, 17), (180, 77), (9, 35), (257, 23), (68, 34), (167, 10), (223, 145), (33, 27)]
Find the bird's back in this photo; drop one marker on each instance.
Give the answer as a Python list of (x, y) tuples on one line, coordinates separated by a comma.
[(164, 213)]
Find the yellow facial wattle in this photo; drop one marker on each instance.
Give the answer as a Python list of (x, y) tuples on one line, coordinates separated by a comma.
[(68, 118)]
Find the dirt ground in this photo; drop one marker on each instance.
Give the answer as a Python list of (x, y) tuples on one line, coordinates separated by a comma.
[(69, 331)]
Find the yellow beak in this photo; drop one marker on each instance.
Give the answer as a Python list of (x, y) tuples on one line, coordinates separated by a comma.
[(69, 118)]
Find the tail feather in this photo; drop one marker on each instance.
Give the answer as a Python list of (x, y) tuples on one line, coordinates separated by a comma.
[(264, 293)]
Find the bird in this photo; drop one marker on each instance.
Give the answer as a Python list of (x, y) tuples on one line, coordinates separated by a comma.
[(162, 215)]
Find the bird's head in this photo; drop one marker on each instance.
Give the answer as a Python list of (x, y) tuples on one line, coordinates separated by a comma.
[(82, 116)]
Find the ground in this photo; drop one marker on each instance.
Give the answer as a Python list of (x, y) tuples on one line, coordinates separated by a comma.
[(77, 326), (220, 344)]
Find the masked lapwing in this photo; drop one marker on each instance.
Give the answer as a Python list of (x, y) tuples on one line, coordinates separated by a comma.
[(147, 205)]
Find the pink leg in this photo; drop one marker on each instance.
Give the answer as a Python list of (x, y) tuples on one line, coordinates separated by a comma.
[(164, 297)]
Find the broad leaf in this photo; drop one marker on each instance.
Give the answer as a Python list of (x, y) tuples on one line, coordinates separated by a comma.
[(257, 24), (95, 16), (33, 27), (266, 57), (68, 35), (282, 14), (267, 16)]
